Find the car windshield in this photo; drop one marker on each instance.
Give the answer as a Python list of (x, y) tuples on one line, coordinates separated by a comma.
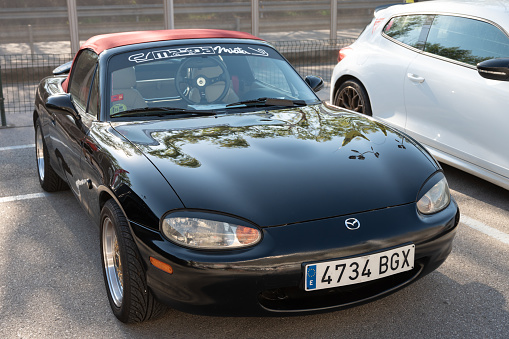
[(217, 77)]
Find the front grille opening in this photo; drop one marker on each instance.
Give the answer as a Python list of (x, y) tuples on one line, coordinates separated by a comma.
[(296, 299)]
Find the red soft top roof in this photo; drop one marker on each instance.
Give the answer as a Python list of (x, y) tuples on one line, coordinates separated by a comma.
[(103, 42), (100, 43)]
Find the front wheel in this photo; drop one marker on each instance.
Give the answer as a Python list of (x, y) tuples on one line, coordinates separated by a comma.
[(130, 299), (352, 95)]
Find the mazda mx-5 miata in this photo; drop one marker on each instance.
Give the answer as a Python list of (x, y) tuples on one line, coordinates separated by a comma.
[(222, 184)]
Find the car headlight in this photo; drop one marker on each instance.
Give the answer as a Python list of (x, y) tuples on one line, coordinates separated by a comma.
[(436, 198), (206, 233)]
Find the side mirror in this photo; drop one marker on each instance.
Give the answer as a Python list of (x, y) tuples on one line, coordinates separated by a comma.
[(62, 103), (63, 69), (494, 69), (316, 83)]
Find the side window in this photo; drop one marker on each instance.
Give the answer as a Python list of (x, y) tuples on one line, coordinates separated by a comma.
[(407, 29), (82, 77), (94, 104), (466, 40)]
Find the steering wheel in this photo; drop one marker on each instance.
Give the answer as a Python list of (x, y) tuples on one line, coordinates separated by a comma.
[(196, 78)]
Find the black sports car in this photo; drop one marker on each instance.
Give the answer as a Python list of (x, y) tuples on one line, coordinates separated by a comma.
[(221, 183)]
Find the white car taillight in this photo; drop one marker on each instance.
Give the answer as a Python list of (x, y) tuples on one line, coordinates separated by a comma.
[(343, 52)]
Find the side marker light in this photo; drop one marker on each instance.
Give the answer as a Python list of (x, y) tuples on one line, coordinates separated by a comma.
[(161, 265)]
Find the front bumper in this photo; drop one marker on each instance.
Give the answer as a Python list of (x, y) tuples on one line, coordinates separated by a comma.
[(269, 277)]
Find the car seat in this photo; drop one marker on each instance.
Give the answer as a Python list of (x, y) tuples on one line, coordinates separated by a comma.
[(124, 92)]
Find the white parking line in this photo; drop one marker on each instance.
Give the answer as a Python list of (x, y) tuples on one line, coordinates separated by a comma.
[(483, 228), (16, 147), (23, 197)]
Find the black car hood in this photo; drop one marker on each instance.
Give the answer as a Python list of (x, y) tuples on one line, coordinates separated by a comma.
[(284, 166)]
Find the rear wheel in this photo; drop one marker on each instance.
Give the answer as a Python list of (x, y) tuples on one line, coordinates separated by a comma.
[(352, 95), (130, 299), (48, 178)]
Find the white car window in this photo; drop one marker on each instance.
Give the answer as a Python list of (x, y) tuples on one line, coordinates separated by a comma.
[(466, 40), (407, 29)]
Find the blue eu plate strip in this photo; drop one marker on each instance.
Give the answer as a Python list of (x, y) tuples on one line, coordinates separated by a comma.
[(311, 277)]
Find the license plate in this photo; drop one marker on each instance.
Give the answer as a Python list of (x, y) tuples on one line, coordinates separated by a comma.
[(357, 270)]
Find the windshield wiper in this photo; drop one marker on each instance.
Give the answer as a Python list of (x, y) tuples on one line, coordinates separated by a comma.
[(269, 102), (159, 111)]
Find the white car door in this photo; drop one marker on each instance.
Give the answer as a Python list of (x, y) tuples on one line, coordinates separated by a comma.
[(449, 106), (384, 71)]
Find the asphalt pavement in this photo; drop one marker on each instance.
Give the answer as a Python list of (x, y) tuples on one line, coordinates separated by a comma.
[(51, 284)]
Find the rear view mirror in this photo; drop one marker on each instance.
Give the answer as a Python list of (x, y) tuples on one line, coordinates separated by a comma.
[(61, 103), (316, 83), (494, 69)]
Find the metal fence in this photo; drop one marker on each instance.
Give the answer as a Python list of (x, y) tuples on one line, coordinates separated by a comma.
[(20, 74), (48, 20)]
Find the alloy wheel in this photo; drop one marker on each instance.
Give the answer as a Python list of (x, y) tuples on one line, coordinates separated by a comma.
[(351, 99), (112, 262), (39, 153)]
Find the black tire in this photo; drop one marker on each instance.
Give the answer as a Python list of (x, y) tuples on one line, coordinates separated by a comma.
[(352, 95), (124, 276), (48, 178)]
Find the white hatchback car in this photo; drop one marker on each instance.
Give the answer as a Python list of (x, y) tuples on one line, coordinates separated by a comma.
[(438, 70)]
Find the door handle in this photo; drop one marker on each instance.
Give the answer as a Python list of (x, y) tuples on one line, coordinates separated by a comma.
[(415, 78)]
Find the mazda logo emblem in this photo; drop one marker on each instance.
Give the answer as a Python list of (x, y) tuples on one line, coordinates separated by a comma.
[(352, 224)]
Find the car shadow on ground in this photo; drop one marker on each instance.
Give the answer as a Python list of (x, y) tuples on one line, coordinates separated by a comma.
[(436, 306)]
